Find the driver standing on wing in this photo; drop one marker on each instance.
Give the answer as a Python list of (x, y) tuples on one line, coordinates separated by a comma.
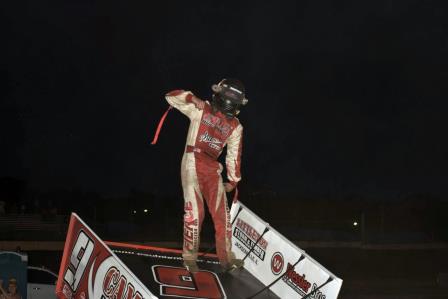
[(212, 127)]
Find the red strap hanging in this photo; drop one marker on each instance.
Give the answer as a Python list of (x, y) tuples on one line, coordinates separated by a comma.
[(159, 127), (235, 195)]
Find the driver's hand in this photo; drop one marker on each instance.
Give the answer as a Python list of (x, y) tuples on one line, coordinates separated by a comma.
[(198, 102), (228, 187)]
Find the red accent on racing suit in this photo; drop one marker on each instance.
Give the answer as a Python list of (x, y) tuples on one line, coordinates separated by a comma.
[(208, 133)]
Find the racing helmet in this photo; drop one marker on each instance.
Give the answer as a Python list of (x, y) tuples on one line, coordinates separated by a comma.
[(229, 96)]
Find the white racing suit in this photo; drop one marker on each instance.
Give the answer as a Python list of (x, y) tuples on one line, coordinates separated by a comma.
[(208, 133)]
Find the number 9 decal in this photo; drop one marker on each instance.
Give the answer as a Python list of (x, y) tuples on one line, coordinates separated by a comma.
[(178, 282)]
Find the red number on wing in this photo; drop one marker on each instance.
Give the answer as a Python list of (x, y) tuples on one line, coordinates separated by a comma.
[(178, 282)]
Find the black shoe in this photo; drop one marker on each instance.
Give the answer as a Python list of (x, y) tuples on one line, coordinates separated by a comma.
[(233, 265)]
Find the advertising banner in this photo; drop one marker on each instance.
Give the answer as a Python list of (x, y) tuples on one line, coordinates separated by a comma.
[(90, 270), (273, 259)]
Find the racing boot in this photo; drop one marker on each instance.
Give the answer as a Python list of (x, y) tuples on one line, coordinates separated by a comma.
[(233, 265), (236, 264), (191, 266)]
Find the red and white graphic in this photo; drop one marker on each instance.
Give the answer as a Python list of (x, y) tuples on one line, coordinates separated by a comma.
[(111, 283), (81, 253), (178, 282), (301, 273), (90, 270), (277, 263), (296, 281)]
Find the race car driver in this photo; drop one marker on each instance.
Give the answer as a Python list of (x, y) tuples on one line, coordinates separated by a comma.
[(212, 127)]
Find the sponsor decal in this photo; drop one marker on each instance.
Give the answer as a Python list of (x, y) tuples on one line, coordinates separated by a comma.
[(89, 270), (191, 232), (247, 236), (217, 123), (277, 263), (110, 282), (189, 217), (317, 294), (296, 281), (211, 141)]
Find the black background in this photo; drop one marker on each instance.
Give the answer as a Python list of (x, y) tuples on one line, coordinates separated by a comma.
[(347, 98)]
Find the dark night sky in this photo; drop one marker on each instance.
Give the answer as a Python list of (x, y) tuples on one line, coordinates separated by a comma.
[(346, 97)]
